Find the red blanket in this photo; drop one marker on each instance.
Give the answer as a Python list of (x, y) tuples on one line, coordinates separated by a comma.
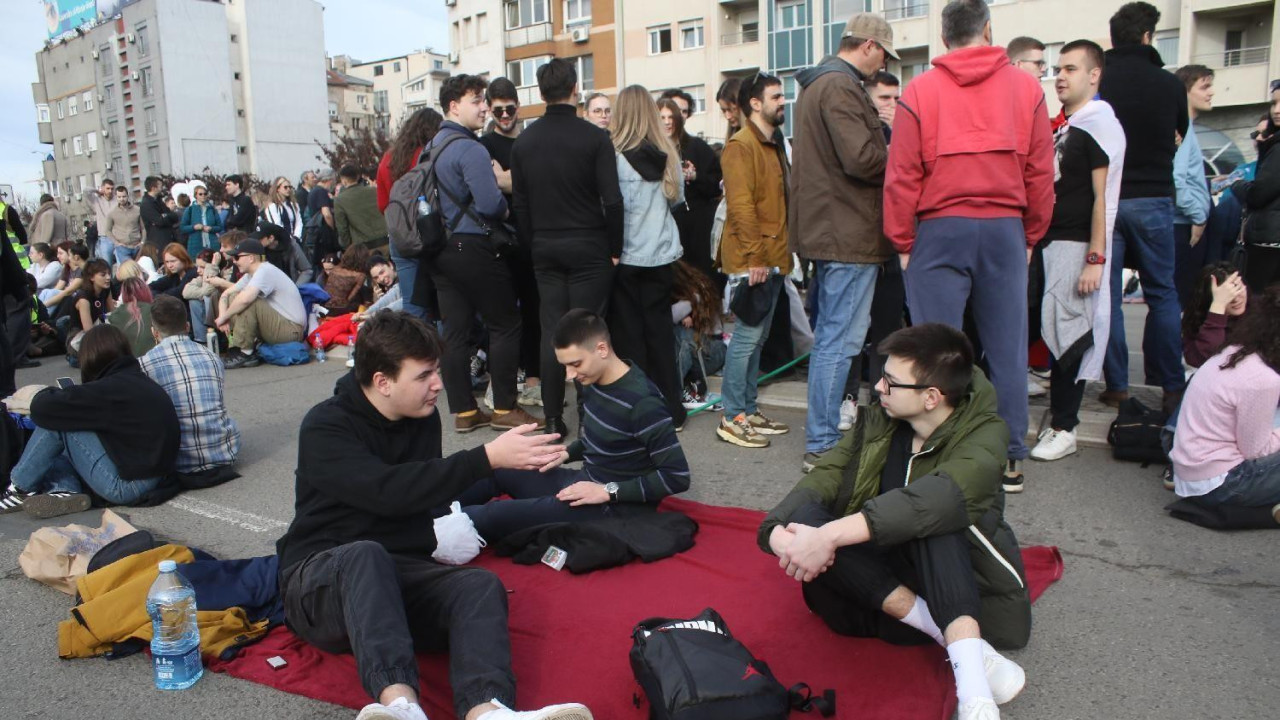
[(570, 635)]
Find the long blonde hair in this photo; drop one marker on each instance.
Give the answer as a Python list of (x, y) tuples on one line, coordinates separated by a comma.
[(278, 198), (635, 122)]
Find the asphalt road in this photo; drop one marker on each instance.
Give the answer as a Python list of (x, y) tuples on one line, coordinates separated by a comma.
[(1154, 618)]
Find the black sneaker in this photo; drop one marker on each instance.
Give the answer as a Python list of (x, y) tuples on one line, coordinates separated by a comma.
[(1012, 480), (237, 358), (48, 505), (13, 499)]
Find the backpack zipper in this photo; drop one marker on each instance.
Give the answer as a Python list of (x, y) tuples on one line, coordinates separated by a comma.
[(684, 667)]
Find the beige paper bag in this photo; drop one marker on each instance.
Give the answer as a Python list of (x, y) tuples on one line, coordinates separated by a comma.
[(57, 556)]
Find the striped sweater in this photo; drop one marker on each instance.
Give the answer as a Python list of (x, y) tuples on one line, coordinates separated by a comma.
[(628, 438)]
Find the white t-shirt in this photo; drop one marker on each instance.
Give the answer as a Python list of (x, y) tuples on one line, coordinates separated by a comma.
[(279, 291)]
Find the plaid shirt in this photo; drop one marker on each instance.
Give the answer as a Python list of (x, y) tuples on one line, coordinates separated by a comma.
[(192, 375)]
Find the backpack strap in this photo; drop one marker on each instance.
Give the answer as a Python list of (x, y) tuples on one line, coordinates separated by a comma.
[(435, 152), (802, 698)]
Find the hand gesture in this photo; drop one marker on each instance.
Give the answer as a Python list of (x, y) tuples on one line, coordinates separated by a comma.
[(520, 449), (757, 275), (559, 460), (809, 554), (1225, 293)]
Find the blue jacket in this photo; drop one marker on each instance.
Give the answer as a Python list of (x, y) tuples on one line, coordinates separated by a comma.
[(207, 215), (1191, 202), (465, 170), (650, 237)]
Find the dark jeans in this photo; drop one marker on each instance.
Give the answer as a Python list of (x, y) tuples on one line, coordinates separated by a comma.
[(573, 271), (360, 599), (520, 263), (640, 325), (850, 594), (888, 310), (470, 277), (1065, 394), (533, 502), (1188, 262)]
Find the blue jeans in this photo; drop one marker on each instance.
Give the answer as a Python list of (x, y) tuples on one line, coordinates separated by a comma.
[(407, 271), (742, 360), (199, 313), (123, 253), (105, 249), (68, 462), (844, 306), (1144, 230), (713, 351), (1252, 483)]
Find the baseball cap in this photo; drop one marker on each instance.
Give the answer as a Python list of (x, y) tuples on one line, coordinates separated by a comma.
[(870, 26), (248, 247)]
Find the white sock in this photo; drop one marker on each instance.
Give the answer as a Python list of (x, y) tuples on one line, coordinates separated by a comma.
[(971, 674), (920, 619)]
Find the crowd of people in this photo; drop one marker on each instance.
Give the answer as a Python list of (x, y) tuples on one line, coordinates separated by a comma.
[(942, 232)]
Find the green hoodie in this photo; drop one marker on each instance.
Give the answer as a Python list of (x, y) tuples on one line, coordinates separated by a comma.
[(953, 485)]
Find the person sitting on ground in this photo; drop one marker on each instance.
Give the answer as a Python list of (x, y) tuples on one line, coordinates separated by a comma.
[(44, 266), (193, 378), (1226, 451), (133, 315), (916, 536), (73, 258), (1219, 301), (91, 304), (200, 295), (148, 260), (628, 446), (356, 569), (178, 271), (44, 339), (383, 274), (286, 253), (264, 307), (83, 444), (345, 280)]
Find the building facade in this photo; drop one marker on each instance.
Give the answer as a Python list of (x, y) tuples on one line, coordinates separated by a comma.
[(393, 76), (350, 102), (180, 86)]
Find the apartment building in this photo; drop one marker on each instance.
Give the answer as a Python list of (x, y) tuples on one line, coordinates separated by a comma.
[(399, 83), (177, 86), (350, 102), (531, 32)]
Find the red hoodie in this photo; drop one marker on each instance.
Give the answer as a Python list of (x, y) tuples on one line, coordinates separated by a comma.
[(971, 139)]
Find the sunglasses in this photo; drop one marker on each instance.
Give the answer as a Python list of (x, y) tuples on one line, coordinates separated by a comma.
[(889, 385), (505, 110)]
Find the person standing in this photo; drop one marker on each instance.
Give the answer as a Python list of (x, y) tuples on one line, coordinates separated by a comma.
[(568, 207), (727, 99), (102, 202), (885, 89), (1192, 203), (1027, 54), (754, 251), (599, 110), (49, 225), (157, 219), (972, 163), (124, 227), (282, 210), (415, 284), (201, 222), (470, 273), (700, 173), (1075, 313), (1261, 198), (355, 213), (303, 192), (834, 216), (242, 214), (1152, 107), (504, 103)]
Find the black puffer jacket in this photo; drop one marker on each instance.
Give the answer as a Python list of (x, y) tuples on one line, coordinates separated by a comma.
[(1261, 196)]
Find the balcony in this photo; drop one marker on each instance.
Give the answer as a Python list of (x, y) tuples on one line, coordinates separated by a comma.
[(904, 9), (1234, 58), (741, 38), (46, 132), (529, 34)]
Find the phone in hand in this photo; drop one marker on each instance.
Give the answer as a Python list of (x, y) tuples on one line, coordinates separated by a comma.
[(65, 382)]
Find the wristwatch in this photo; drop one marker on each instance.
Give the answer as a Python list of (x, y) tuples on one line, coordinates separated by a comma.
[(1094, 258), (612, 489)]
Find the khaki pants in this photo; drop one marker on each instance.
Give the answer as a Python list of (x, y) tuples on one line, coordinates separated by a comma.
[(261, 323)]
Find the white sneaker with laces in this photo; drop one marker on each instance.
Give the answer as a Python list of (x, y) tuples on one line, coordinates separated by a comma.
[(848, 413), (1054, 445), (569, 711), (1004, 676), (399, 709), (1034, 389), (978, 709)]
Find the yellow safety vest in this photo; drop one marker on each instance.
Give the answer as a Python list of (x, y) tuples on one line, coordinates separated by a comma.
[(13, 237)]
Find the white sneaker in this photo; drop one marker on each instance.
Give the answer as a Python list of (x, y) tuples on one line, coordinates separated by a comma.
[(1054, 445), (488, 395), (399, 709), (530, 396), (1034, 389), (848, 413), (978, 709), (569, 711), (1004, 676)]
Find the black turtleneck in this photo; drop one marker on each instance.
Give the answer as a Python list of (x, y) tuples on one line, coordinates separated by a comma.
[(1151, 105)]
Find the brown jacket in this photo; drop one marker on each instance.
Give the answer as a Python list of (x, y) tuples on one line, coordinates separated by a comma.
[(755, 188), (837, 187)]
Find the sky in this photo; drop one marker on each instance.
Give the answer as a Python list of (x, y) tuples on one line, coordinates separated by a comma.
[(364, 29)]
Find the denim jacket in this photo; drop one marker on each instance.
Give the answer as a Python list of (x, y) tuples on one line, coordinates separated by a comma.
[(650, 236)]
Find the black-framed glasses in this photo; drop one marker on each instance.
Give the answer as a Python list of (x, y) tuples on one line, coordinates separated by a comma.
[(505, 110), (889, 385)]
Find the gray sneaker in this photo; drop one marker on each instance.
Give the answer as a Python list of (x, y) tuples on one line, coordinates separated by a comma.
[(54, 504), (740, 432), (530, 396), (766, 426), (810, 461)]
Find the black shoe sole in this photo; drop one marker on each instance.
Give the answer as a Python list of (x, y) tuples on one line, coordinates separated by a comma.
[(50, 506)]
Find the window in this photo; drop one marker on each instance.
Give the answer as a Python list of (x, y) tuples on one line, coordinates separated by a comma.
[(235, 75), (64, 147), (62, 109), (147, 88), (109, 98), (91, 140), (42, 112), (437, 64), (468, 33), (68, 186), (899, 9), (699, 95), (482, 33), (87, 100), (235, 38), (333, 110), (355, 123), (586, 67), (144, 44), (53, 188), (790, 38), (377, 71), (113, 134), (1051, 52), (1232, 55), (395, 67), (838, 12), (77, 145), (380, 101), (1167, 46), (524, 73), (153, 155), (577, 11), (362, 100), (73, 105), (526, 12), (791, 15), (84, 183), (691, 36), (117, 165), (659, 40), (152, 126), (104, 60)]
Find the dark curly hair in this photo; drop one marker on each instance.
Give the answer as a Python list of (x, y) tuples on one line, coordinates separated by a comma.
[(417, 131), (693, 285), (1258, 332), (1202, 297)]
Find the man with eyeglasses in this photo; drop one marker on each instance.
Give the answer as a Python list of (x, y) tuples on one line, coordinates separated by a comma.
[(898, 533), (1027, 54)]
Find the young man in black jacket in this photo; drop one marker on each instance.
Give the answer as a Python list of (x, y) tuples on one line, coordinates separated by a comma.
[(243, 214), (567, 203), (357, 573), (1151, 105), (157, 220)]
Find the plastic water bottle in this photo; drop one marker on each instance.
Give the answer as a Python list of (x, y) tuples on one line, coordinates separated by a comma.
[(318, 342), (211, 340), (424, 207), (175, 639), (351, 350)]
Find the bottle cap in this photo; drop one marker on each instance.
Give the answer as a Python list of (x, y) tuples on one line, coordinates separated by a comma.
[(168, 566)]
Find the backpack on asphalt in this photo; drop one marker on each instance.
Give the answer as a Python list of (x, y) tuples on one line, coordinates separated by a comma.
[(1135, 434), (415, 234)]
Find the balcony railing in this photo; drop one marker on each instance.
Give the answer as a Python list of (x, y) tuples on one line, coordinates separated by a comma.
[(898, 11), (1235, 58), (529, 34), (741, 38)]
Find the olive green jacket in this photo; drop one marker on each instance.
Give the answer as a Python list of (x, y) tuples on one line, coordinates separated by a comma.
[(953, 485)]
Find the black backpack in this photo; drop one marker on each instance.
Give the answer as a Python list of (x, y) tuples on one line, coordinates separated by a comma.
[(1135, 434), (416, 234), (696, 670)]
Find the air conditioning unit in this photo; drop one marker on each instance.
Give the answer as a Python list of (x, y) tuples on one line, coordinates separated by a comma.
[(88, 152), (131, 38), (101, 97), (579, 34), (455, 57), (135, 75), (450, 3), (94, 54)]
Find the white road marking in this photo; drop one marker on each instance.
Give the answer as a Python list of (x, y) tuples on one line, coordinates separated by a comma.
[(248, 521)]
